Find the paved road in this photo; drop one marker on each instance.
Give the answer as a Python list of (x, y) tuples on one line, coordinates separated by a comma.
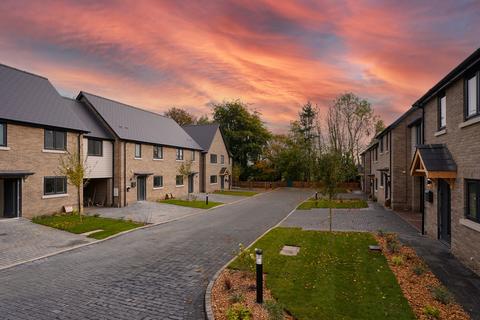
[(156, 273)]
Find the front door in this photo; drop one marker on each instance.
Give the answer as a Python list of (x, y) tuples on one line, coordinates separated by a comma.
[(222, 182), (141, 188), (11, 198), (190, 183), (444, 208)]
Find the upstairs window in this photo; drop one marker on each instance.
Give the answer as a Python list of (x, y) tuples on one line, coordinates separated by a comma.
[(157, 152), (3, 134), (55, 140), (381, 145), (222, 159), (375, 155), (138, 150), (472, 107), (442, 112), (95, 147), (193, 155), (179, 154), (386, 141), (213, 158)]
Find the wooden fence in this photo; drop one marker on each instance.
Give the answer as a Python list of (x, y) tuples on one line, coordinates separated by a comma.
[(293, 184)]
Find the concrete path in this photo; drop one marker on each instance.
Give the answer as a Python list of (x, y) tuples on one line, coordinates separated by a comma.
[(22, 240), (155, 273), (459, 280)]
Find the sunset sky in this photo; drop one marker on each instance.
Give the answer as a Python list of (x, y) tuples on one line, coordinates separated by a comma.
[(273, 54)]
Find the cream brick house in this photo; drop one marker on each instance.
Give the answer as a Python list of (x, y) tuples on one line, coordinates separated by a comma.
[(148, 151), (216, 160), (37, 128)]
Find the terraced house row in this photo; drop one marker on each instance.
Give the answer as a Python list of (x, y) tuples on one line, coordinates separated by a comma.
[(428, 161), (130, 154)]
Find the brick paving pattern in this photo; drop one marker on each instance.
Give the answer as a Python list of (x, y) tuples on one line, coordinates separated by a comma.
[(156, 273)]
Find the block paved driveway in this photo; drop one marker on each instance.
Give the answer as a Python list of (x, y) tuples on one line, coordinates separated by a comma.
[(156, 273)]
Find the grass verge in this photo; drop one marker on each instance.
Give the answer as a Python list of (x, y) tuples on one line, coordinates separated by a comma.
[(72, 223), (336, 204), (334, 276), (200, 204), (236, 193)]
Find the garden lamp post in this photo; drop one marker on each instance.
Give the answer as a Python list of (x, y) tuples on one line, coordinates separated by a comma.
[(259, 270)]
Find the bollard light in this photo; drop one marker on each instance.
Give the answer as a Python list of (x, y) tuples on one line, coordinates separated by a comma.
[(259, 270), (206, 200), (316, 195)]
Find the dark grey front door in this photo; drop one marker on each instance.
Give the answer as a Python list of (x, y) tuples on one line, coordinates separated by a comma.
[(11, 198), (444, 208), (141, 188), (190, 183), (222, 182)]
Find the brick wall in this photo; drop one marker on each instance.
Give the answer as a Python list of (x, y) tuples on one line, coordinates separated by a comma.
[(218, 147), (167, 167), (464, 146), (26, 153)]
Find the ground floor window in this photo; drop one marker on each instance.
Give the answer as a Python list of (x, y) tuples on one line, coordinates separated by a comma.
[(54, 185), (213, 179), (472, 207), (179, 180), (158, 181)]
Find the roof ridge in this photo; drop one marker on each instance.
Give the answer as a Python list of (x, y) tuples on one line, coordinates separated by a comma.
[(124, 104), (20, 70), (202, 124)]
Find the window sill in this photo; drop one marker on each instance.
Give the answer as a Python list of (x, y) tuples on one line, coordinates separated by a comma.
[(179, 160), (95, 155), (159, 159), (214, 183), (54, 151), (470, 224), (52, 196), (157, 188), (469, 122), (137, 158), (440, 132), (180, 186), (4, 148)]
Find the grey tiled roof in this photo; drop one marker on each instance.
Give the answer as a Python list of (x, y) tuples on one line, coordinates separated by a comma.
[(29, 98), (90, 121), (203, 134), (135, 124), (436, 157)]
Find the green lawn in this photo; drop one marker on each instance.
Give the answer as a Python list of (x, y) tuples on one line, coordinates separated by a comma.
[(337, 204), (73, 224), (192, 203), (334, 276), (237, 193)]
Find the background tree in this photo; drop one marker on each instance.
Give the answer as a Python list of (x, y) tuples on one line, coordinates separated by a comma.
[(350, 121), (332, 174), (244, 131), (72, 167), (204, 120), (181, 116)]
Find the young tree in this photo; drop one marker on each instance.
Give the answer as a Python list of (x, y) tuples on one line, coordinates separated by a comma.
[(185, 169), (332, 174), (244, 131), (181, 116), (72, 167)]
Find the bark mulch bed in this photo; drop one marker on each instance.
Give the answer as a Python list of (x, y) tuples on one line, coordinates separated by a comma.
[(418, 282), (232, 286)]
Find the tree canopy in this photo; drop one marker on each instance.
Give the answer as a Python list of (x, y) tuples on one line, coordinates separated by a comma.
[(181, 116)]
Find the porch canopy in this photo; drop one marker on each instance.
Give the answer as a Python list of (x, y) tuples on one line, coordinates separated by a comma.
[(5, 174), (224, 171), (433, 161)]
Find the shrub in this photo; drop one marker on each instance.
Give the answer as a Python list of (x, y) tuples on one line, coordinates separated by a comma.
[(441, 294), (393, 246), (419, 269), (237, 298), (274, 309), (397, 260), (380, 233), (245, 260), (238, 312), (431, 312)]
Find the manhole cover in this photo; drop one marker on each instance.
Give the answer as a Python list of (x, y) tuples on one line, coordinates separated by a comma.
[(289, 250)]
